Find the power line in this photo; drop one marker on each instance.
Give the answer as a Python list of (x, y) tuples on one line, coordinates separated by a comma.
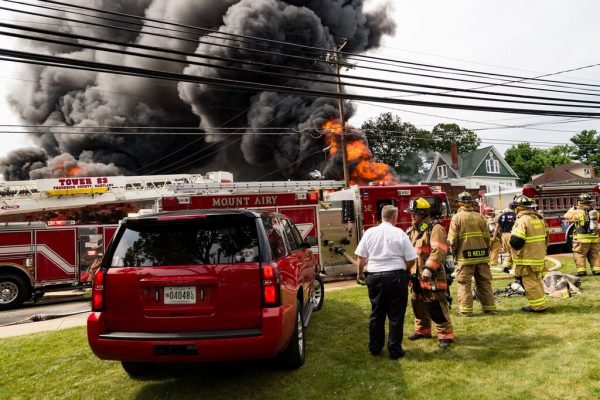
[(40, 59), (261, 40), (279, 42)]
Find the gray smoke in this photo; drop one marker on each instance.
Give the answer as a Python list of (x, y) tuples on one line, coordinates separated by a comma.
[(71, 98)]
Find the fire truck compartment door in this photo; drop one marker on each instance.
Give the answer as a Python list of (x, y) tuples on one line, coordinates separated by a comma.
[(55, 254)]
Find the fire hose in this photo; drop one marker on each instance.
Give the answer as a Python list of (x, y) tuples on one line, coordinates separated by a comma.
[(557, 265), (44, 317)]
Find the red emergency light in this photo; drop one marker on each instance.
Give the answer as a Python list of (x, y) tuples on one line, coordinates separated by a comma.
[(530, 191)]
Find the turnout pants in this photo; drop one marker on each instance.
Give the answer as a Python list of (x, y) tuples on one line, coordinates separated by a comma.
[(495, 247), (483, 285), (429, 307), (507, 262), (534, 289), (583, 252), (388, 292)]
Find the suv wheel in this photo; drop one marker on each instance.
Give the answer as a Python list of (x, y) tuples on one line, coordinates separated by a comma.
[(139, 370), (318, 293), (293, 356)]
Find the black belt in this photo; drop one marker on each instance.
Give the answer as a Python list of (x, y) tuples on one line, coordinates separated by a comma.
[(384, 273)]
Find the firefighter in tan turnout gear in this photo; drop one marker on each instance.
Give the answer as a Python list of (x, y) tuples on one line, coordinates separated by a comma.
[(469, 237), (428, 276), (586, 244), (528, 242)]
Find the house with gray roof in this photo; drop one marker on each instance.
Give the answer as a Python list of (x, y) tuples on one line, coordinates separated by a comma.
[(483, 167)]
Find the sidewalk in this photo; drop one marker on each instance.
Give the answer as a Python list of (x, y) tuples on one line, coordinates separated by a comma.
[(80, 319)]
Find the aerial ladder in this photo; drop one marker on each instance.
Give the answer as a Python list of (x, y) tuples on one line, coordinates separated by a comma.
[(20, 197)]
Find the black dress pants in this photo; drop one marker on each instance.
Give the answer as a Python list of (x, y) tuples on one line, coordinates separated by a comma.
[(388, 292)]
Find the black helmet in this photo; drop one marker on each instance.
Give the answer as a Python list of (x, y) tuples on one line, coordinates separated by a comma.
[(585, 198), (523, 201), (464, 197)]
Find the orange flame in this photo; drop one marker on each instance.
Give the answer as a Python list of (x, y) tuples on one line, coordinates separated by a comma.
[(363, 169), (74, 171)]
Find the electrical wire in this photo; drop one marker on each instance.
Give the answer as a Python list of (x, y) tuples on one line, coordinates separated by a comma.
[(40, 59)]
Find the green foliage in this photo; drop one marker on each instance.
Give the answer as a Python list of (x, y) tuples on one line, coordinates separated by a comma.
[(403, 146), (445, 134), (587, 148), (512, 355), (527, 161)]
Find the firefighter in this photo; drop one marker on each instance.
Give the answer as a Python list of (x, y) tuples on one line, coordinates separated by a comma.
[(504, 225), (586, 244), (495, 243), (528, 242), (469, 238), (428, 276)]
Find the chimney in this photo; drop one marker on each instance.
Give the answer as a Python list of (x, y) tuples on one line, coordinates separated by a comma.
[(454, 154)]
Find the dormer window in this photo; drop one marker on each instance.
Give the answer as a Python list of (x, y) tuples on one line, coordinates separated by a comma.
[(586, 172), (442, 171), (492, 166)]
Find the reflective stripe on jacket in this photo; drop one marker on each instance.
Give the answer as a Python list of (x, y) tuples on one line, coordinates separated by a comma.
[(469, 237), (577, 217), (431, 247), (531, 227)]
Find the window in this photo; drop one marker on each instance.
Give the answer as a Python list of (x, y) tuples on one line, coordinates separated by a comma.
[(295, 241), (442, 171), (275, 235), (586, 172), (492, 166), (383, 203), (211, 241)]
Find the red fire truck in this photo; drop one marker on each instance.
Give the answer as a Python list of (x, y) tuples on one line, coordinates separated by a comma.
[(329, 218), (554, 201), (36, 257)]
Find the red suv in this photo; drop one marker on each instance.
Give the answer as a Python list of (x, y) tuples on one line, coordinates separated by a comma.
[(203, 285)]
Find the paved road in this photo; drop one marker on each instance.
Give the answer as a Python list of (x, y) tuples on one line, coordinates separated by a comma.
[(54, 304)]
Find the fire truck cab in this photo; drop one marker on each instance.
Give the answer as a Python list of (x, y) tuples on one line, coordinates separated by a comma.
[(36, 258), (346, 214)]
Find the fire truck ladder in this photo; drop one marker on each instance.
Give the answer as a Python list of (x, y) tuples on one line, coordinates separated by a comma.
[(183, 188), (17, 197)]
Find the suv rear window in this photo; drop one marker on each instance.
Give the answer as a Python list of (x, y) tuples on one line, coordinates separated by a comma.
[(214, 240)]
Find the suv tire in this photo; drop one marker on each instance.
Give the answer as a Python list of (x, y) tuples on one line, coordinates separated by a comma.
[(318, 293), (139, 370), (293, 356)]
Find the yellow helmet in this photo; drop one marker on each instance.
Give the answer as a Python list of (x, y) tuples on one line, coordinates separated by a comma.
[(418, 205), (585, 199)]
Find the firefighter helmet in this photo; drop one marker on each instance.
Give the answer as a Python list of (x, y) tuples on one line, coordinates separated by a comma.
[(585, 198), (418, 205), (523, 201), (464, 197)]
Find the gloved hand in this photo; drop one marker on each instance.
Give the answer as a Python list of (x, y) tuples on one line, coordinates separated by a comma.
[(361, 280), (506, 269), (427, 274)]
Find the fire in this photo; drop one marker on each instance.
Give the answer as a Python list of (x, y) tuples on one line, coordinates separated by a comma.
[(362, 168), (72, 171)]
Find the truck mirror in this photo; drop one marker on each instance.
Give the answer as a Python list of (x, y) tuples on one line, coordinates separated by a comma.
[(347, 211), (311, 241)]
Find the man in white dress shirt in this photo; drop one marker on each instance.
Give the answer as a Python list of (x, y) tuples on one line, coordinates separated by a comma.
[(390, 255)]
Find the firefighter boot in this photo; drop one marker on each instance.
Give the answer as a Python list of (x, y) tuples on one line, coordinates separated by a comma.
[(416, 336), (445, 343)]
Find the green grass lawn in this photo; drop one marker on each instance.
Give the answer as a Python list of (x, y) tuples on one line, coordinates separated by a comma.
[(509, 356)]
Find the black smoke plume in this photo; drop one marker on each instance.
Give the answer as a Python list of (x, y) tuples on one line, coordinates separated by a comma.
[(69, 98)]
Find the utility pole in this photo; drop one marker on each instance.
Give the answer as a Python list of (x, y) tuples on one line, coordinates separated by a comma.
[(337, 64)]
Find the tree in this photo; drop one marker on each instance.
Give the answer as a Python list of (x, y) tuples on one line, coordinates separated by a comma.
[(527, 161), (587, 148), (397, 144), (443, 135)]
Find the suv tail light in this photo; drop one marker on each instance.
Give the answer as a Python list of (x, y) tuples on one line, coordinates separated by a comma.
[(271, 285), (98, 290)]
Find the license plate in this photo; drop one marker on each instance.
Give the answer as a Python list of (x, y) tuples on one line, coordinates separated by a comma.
[(180, 295)]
